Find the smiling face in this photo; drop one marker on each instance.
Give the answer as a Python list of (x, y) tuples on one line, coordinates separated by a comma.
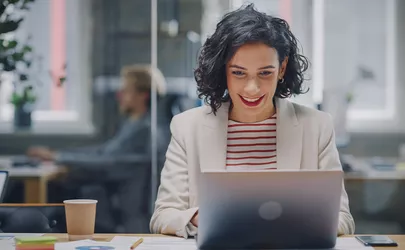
[(252, 76)]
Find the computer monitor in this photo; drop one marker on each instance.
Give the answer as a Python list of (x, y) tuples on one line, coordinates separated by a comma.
[(3, 184)]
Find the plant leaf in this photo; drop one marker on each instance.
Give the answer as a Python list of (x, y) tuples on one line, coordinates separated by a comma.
[(19, 56), (16, 99), (8, 26), (12, 44), (27, 49), (8, 66), (62, 80), (23, 77)]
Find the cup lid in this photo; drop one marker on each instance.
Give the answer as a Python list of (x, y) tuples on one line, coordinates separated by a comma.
[(80, 201)]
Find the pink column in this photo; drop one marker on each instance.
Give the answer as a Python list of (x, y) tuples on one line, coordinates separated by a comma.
[(58, 52), (286, 10)]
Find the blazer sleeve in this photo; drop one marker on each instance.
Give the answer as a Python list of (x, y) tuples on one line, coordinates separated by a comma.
[(172, 213), (329, 159)]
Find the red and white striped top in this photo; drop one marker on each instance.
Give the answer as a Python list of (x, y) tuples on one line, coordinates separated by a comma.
[(252, 146)]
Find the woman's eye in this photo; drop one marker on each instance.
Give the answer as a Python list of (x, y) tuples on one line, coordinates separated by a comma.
[(238, 73), (265, 73)]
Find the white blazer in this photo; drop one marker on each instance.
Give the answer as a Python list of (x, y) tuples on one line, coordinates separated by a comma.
[(305, 140)]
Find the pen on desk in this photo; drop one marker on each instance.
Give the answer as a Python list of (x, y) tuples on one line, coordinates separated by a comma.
[(137, 243)]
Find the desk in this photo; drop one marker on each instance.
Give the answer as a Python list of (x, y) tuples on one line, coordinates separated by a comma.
[(35, 179), (363, 171), (375, 175), (400, 239)]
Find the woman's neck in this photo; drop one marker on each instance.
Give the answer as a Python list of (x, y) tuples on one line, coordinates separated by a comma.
[(244, 118)]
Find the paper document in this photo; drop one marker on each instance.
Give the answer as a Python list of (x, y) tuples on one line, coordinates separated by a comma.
[(7, 243), (350, 243), (157, 243), (91, 245)]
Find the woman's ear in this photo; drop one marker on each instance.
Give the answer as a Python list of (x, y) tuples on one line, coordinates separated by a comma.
[(283, 68)]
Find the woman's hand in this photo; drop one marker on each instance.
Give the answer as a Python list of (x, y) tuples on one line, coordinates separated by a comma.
[(194, 220)]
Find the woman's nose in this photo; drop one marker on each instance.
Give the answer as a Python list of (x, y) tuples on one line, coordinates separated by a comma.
[(252, 87)]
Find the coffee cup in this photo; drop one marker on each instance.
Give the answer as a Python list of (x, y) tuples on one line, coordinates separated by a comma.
[(80, 218)]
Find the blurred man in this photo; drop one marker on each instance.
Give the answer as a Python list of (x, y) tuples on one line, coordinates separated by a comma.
[(133, 137), (126, 158)]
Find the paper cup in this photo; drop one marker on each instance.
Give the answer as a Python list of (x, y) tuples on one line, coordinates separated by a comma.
[(80, 218)]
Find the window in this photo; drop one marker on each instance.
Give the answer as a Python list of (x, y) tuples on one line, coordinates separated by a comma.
[(356, 58), (60, 36), (280, 8), (352, 47)]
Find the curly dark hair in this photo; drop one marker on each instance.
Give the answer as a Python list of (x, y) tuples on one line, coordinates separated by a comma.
[(239, 27)]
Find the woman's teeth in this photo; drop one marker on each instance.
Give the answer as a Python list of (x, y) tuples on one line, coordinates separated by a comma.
[(250, 99)]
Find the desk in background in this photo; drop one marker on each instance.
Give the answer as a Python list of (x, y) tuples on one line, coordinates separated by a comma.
[(375, 187), (363, 169), (35, 179)]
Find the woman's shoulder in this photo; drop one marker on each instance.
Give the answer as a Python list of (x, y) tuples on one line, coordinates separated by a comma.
[(189, 120), (193, 115), (311, 116)]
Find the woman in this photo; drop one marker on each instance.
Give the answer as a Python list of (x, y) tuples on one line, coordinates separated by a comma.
[(245, 71)]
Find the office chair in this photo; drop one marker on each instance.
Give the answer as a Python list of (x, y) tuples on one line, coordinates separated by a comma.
[(32, 218)]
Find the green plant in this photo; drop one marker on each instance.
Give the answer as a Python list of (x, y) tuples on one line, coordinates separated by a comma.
[(15, 56), (13, 52), (27, 96)]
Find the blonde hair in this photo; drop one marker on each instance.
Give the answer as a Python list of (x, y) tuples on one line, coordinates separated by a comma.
[(141, 76)]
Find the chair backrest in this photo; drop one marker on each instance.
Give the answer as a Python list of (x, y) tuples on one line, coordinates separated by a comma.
[(3, 184), (32, 218)]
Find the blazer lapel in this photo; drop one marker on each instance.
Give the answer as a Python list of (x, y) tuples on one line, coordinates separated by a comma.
[(213, 139), (289, 136)]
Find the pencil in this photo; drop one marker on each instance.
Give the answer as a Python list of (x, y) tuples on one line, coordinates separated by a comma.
[(137, 243)]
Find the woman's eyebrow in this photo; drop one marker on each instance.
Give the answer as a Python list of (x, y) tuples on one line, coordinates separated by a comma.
[(268, 67), (236, 66), (240, 67)]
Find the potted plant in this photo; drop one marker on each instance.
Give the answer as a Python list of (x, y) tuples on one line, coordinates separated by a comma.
[(23, 106), (16, 58)]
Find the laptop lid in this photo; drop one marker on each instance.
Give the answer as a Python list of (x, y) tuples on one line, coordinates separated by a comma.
[(269, 209)]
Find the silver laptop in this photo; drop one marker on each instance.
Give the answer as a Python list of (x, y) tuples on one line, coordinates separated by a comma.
[(269, 209)]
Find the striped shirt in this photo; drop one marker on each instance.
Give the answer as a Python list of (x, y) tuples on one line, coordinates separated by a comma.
[(252, 146)]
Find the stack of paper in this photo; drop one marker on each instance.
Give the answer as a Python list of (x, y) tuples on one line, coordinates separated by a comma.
[(35, 242), (8, 241)]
